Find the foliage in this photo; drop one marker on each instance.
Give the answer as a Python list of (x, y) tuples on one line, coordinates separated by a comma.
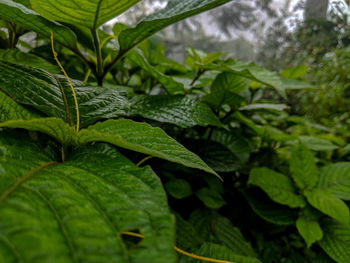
[(246, 178)]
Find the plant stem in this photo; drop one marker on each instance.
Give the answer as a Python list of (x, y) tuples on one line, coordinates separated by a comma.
[(99, 64)]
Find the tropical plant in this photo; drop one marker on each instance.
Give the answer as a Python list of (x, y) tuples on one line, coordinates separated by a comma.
[(74, 186)]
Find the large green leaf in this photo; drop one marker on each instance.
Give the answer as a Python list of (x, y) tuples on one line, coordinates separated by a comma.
[(327, 203), (75, 211), (19, 14), (175, 11), (182, 111), (54, 127), (336, 179), (231, 237), (86, 13), (10, 110), (303, 167), (309, 229), (336, 241), (317, 144), (141, 137), (52, 95), (168, 82), (218, 252), (278, 187)]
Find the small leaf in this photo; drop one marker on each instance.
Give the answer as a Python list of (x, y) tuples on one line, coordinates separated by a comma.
[(182, 111), (211, 198), (141, 137), (336, 240), (19, 14), (328, 204), (336, 179), (53, 127), (303, 168), (310, 230), (294, 72), (317, 144), (265, 106), (91, 14), (178, 188), (277, 186), (172, 86)]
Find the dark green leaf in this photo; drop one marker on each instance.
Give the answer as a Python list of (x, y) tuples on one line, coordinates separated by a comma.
[(211, 198), (19, 14), (75, 211), (182, 111), (178, 188)]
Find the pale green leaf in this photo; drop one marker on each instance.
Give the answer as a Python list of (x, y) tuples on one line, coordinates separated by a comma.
[(294, 72), (86, 13), (175, 11), (75, 211), (218, 252), (278, 187), (172, 86), (10, 110), (303, 168), (328, 204), (141, 137), (336, 241), (19, 14), (53, 127), (336, 179), (317, 144), (182, 111), (265, 106), (310, 230), (231, 237)]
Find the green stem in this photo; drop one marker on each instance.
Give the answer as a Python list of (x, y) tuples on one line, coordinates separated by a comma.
[(99, 64)]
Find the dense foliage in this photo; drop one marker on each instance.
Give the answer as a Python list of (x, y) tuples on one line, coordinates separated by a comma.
[(129, 154)]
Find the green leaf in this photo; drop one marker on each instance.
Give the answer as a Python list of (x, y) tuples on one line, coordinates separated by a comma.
[(52, 95), (16, 56), (303, 167), (19, 14), (336, 179), (225, 90), (182, 111), (91, 14), (253, 72), (237, 144), (10, 110), (310, 230), (269, 210), (75, 211), (232, 237), (178, 188), (172, 86), (186, 234), (265, 106), (294, 72), (211, 198), (317, 144), (277, 186), (336, 241), (175, 11), (53, 127), (218, 252), (141, 137), (328, 204)]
